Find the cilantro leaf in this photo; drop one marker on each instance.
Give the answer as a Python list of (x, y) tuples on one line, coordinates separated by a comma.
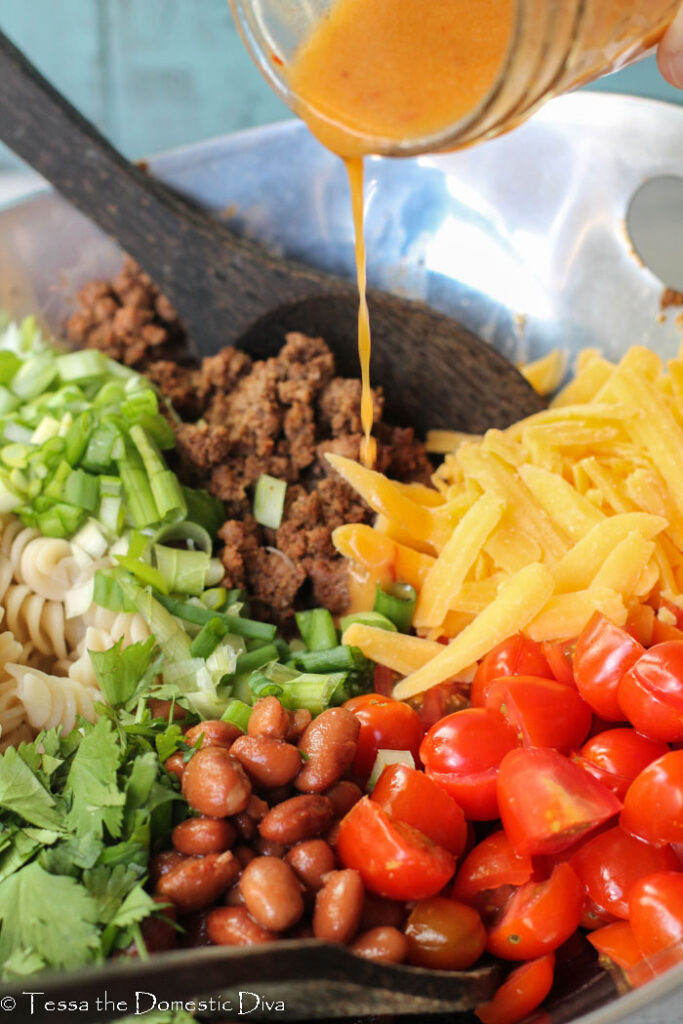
[(49, 916), (109, 888), (120, 672), (23, 793), (92, 782), (70, 856)]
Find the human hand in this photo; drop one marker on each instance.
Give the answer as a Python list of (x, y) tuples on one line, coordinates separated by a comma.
[(670, 52)]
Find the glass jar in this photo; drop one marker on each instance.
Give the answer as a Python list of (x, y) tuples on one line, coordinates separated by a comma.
[(553, 47)]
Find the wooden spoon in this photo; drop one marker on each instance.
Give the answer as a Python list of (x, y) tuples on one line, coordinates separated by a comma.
[(435, 373)]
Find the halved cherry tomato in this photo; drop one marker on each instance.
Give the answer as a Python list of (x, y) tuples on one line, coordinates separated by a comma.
[(616, 756), (439, 701), (462, 753), (603, 653), (560, 657), (664, 632), (640, 623), (384, 680), (385, 724), (593, 916), (393, 859), (547, 802), (660, 670), (616, 943), (489, 875), (518, 655), (410, 796), (647, 712), (611, 863), (543, 712), (656, 911), (539, 917), (523, 990), (444, 935), (653, 805)]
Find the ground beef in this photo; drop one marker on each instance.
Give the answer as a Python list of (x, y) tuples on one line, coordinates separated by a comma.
[(242, 418)]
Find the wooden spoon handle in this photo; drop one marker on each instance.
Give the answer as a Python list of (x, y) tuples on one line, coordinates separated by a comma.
[(218, 283)]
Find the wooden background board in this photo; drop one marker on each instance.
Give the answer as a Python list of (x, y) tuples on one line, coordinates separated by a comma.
[(153, 74)]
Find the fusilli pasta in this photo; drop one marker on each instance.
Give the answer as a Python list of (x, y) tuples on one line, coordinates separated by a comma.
[(50, 700)]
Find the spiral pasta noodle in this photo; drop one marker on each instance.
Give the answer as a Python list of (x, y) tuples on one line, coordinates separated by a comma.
[(50, 701)]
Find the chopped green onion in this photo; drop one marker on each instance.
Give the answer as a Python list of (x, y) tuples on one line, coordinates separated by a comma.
[(99, 453), (77, 438), (184, 571), (82, 489), (185, 531), (269, 500), (9, 364), (302, 690), (47, 428), (34, 376), (215, 598), (250, 628), (8, 401), (385, 758), (184, 610), (137, 489), (208, 638), (108, 594), (142, 571), (336, 659), (92, 541), (317, 629), (367, 619), (397, 603), (255, 659), (204, 509), (80, 365), (237, 713), (168, 494)]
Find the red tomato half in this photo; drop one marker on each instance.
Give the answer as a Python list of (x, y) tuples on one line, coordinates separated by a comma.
[(516, 656), (660, 670), (616, 756), (611, 863), (547, 802), (560, 657), (647, 712), (410, 796), (656, 911), (653, 805), (462, 753), (385, 724), (616, 942), (393, 859), (539, 917), (493, 862), (603, 653), (523, 990), (543, 712)]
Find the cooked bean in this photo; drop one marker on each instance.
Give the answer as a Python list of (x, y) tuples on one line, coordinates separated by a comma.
[(159, 934), (203, 835), (233, 897), (384, 945), (268, 848), (247, 828), (214, 733), (269, 762), (311, 860), (164, 708), (269, 718), (175, 765), (257, 808), (380, 912), (299, 722), (233, 926), (343, 795), (272, 893), (278, 794), (198, 881), (302, 817), (196, 933), (215, 784), (338, 906), (332, 834), (329, 743), (244, 854), (163, 863)]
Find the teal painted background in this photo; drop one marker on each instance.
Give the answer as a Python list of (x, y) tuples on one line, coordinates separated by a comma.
[(154, 74)]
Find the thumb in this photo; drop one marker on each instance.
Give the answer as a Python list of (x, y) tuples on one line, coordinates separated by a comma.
[(670, 52)]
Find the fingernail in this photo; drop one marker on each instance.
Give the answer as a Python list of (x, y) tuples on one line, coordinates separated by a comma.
[(670, 54)]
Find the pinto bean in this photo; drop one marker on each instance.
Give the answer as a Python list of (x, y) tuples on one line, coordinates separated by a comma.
[(379, 912), (302, 817), (257, 808), (267, 848), (269, 718), (338, 906), (214, 733), (175, 765), (244, 854), (269, 762), (159, 934), (272, 893), (163, 863), (299, 722), (332, 834), (196, 933), (198, 881), (329, 743), (215, 784), (311, 860), (233, 926), (233, 897), (164, 708), (384, 945), (247, 828), (203, 835), (343, 795)]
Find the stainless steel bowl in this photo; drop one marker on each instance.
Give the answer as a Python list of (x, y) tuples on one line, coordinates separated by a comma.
[(523, 239)]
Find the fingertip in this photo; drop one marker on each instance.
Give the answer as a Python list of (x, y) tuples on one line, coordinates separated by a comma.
[(670, 52)]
